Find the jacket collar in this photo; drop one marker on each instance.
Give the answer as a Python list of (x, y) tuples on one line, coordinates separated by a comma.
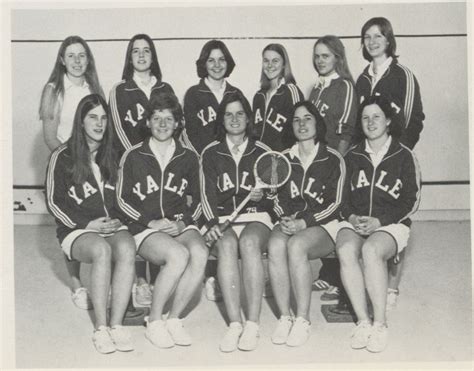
[(395, 146), (322, 153), (146, 150), (223, 148), (204, 88), (130, 84)]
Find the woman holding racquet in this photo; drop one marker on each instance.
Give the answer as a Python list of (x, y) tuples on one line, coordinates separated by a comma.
[(307, 207), (387, 77), (73, 77), (273, 103), (155, 179), (80, 193), (141, 80), (382, 190), (228, 177)]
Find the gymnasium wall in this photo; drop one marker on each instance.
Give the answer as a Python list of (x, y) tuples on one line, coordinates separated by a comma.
[(431, 40)]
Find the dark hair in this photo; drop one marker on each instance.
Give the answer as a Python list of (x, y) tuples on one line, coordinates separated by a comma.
[(53, 91), (235, 96), (287, 74), (127, 73), (206, 51), (320, 124), (394, 129), (334, 44), (80, 151), (168, 101), (386, 29)]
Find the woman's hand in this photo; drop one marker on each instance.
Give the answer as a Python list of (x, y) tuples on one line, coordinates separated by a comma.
[(368, 224), (174, 228), (104, 225), (256, 194), (290, 225), (213, 234), (158, 224)]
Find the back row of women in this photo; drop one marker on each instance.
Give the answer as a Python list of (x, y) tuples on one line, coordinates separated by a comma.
[(360, 205)]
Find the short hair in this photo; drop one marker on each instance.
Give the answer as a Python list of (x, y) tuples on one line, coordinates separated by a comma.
[(127, 73), (394, 129), (206, 51), (168, 101), (320, 124), (386, 29), (235, 96), (334, 44), (287, 74)]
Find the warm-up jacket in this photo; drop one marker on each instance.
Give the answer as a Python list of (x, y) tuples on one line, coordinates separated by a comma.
[(200, 114), (224, 185), (145, 192), (400, 87), (314, 194), (75, 205), (128, 106), (337, 104), (272, 118), (389, 192)]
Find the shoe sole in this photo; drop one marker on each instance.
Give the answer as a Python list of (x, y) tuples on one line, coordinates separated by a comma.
[(159, 346)]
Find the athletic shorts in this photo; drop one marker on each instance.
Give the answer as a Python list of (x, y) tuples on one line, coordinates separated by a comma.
[(242, 220), (69, 240), (399, 232), (140, 237)]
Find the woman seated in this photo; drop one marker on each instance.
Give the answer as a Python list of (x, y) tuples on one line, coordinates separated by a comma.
[(382, 190), (307, 206), (80, 192), (227, 166), (155, 179)]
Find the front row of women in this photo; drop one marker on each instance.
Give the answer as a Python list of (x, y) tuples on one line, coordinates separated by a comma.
[(376, 189)]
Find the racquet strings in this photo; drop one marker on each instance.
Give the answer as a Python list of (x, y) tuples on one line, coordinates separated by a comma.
[(272, 169)]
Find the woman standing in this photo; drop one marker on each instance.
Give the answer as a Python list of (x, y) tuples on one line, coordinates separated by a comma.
[(227, 166), (385, 76), (273, 103), (80, 191), (307, 207), (382, 190), (73, 77), (155, 179)]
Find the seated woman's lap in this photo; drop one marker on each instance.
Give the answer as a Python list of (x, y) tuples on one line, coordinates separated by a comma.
[(157, 248), (88, 246), (381, 242), (314, 241), (255, 235)]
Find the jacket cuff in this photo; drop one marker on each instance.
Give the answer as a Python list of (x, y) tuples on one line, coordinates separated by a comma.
[(211, 223)]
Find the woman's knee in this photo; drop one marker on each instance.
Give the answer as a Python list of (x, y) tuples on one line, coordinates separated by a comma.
[(227, 248), (125, 251), (296, 249), (249, 246), (199, 254), (371, 252), (177, 257), (101, 252)]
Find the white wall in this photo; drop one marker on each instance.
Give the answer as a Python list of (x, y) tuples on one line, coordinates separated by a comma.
[(439, 63)]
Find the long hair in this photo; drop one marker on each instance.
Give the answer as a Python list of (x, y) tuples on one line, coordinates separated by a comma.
[(320, 124), (334, 44), (53, 91), (287, 74), (386, 29), (206, 51), (80, 152), (168, 101), (236, 96), (395, 127), (127, 73)]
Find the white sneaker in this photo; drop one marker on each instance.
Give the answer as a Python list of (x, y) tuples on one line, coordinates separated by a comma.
[(378, 338), (178, 333), (299, 333), (158, 335), (81, 298), (143, 294), (392, 297), (102, 340), (360, 334), (121, 338), (280, 335), (249, 339), (213, 290), (231, 338)]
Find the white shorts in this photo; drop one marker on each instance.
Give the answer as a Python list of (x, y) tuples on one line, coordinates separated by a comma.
[(399, 232), (69, 240), (140, 237), (242, 220), (331, 228)]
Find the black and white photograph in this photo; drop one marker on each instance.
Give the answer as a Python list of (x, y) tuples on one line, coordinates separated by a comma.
[(213, 185)]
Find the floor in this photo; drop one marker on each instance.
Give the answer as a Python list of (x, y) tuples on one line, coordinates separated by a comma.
[(432, 323)]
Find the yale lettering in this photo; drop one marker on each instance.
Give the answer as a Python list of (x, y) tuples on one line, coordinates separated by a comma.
[(140, 112), (258, 116), (362, 181), (211, 115), (294, 192), (277, 122), (73, 194), (247, 187)]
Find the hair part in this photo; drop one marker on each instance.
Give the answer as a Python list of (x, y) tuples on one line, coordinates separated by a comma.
[(229, 98), (80, 151), (320, 124), (53, 91), (287, 73), (128, 69), (335, 45), (206, 52), (386, 29)]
